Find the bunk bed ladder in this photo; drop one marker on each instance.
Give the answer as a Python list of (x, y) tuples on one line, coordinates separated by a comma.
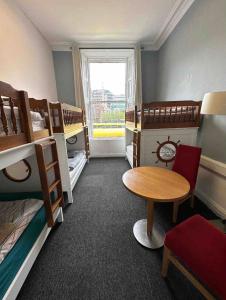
[(86, 138), (136, 148), (50, 204)]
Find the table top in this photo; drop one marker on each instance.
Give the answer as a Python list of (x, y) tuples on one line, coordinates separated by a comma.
[(156, 184)]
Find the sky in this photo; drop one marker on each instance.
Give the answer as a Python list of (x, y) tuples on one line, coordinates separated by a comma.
[(110, 76)]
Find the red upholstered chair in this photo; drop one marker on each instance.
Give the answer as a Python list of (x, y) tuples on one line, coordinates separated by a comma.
[(186, 163), (196, 245)]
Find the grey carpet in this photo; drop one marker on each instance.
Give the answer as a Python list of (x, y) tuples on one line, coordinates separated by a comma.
[(94, 255)]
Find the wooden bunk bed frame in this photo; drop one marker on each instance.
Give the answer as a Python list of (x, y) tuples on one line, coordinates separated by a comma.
[(66, 119), (19, 100), (167, 114), (53, 208), (160, 115)]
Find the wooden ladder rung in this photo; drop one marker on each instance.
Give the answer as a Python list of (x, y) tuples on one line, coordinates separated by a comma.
[(51, 165), (47, 144), (56, 204), (53, 185)]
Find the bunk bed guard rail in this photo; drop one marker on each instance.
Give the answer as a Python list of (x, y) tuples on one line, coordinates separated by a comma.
[(65, 116), (170, 114)]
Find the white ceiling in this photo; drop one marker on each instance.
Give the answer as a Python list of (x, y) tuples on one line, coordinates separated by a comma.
[(104, 21)]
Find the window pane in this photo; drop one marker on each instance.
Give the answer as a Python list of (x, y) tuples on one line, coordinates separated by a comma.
[(108, 119), (107, 99)]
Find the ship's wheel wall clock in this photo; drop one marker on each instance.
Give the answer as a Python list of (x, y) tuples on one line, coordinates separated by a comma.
[(166, 151), (72, 140)]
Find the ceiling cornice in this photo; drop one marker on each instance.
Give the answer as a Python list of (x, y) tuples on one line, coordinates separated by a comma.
[(64, 46), (175, 15)]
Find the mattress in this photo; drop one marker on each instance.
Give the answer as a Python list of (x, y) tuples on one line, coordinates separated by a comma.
[(15, 216), (74, 161), (15, 258), (38, 122)]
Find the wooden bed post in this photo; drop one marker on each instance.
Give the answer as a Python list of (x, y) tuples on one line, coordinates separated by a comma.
[(26, 120)]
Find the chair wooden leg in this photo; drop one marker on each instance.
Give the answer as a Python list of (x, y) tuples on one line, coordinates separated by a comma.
[(175, 211), (192, 203), (165, 261)]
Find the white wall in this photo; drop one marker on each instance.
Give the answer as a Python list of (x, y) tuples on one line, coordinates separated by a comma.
[(25, 56)]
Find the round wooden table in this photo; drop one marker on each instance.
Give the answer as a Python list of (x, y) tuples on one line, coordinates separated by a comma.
[(155, 185)]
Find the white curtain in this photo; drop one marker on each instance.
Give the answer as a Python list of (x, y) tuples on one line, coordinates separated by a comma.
[(138, 77), (79, 94)]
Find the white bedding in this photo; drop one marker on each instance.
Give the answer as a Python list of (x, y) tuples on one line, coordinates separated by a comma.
[(38, 123), (73, 162), (129, 149), (15, 216)]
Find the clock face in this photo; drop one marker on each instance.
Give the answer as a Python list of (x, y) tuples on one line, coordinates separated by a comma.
[(72, 140), (166, 151)]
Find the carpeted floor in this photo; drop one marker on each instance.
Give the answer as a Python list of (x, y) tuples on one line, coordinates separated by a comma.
[(94, 255)]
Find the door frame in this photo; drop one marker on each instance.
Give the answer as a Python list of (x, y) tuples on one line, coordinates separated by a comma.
[(105, 147)]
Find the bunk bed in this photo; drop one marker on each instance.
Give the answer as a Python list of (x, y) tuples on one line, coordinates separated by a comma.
[(22, 120), (158, 125), (26, 218), (68, 124)]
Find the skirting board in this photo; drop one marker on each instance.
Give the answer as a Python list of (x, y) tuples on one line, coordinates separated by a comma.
[(107, 155), (211, 185)]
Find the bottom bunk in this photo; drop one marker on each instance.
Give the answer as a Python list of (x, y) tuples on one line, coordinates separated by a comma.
[(73, 156), (21, 239), (76, 162)]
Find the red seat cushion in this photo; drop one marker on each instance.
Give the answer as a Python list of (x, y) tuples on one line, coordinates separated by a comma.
[(202, 248)]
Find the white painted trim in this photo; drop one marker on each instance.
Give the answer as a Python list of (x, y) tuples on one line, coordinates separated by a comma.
[(211, 185), (77, 172), (213, 205), (106, 155), (64, 46), (25, 268), (175, 15), (15, 154), (213, 165)]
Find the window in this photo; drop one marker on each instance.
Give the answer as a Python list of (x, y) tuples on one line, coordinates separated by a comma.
[(107, 99)]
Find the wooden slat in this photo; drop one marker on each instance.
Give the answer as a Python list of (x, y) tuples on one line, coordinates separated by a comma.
[(57, 172), (3, 117), (53, 185), (11, 141), (56, 204), (51, 165), (13, 117), (44, 184), (40, 134)]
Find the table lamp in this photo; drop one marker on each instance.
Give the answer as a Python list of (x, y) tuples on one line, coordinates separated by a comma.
[(214, 104)]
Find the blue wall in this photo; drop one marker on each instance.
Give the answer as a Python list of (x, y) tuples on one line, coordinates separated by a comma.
[(149, 64), (64, 76), (192, 62)]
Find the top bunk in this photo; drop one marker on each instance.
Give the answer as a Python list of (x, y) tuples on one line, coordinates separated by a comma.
[(167, 114), (22, 120), (67, 119)]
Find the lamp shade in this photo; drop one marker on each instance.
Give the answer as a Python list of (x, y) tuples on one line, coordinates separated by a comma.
[(214, 104)]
